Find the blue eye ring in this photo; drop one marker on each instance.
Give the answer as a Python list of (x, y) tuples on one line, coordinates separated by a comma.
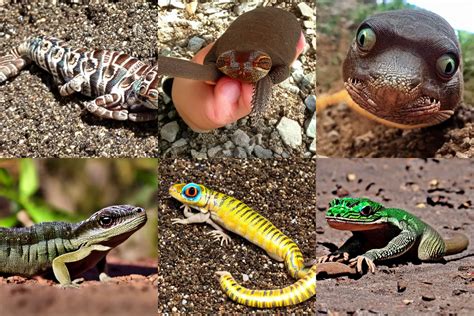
[(191, 191)]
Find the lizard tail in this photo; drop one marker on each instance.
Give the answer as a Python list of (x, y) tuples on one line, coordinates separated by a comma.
[(300, 291), (456, 244)]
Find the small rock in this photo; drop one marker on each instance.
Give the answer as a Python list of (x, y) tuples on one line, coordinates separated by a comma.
[(407, 302), (333, 136), (198, 155), (164, 3), (306, 10), (428, 297), (262, 153), (169, 131), (311, 129), (177, 4), (401, 285), (212, 152), (195, 44), (240, 138), (180, 143), (239, 152), (228, 145), (290, 132), (312, 147), (245, 277), (310, 103)]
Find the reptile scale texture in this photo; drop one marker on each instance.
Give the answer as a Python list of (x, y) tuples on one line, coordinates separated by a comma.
[(43, 247), (381, 233), (124, 87), (222, 211)]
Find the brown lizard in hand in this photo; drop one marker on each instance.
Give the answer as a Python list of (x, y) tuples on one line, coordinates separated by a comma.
[(258, 47)]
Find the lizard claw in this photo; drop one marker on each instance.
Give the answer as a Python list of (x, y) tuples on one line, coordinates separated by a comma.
[(178, 221), (359, 261), (220, 236), (335, 257)]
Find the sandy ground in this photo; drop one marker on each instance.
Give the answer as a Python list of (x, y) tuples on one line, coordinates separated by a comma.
[(132, 290), (35, 121), (344, 133), (210, 21), (281, 190), (437, 191)]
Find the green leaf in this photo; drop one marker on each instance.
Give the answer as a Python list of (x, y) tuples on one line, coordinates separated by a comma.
[(5, 178), (9, 221), (43, 213), (29, 182)]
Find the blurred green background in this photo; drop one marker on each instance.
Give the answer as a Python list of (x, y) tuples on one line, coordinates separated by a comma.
[(39, 190)]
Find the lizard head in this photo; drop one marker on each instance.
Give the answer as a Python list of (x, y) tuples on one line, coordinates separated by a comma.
[(190, 194), (403, 69), (111, 225), (355, 214), (247, 66), (147, 90)]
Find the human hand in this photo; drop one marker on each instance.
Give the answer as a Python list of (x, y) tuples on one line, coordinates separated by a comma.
[(206, 105)]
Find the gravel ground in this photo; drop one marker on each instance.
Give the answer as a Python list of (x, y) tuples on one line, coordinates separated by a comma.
[(282, 190), (247, 137), (439, 192), (35, 121)]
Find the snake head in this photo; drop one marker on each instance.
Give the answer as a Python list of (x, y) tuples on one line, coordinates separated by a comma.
[(247, 66)]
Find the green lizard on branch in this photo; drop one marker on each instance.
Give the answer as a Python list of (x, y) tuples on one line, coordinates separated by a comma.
[(381, 233), (65, 248)]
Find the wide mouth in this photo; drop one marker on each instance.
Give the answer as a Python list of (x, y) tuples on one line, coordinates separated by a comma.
[(407, 109), (355, 224)]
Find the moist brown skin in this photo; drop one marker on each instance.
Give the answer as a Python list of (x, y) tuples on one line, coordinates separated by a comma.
[(271, 31), (397, 79)]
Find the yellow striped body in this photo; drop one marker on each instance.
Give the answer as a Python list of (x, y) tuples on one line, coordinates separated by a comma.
[(296, 293), (239, 218)]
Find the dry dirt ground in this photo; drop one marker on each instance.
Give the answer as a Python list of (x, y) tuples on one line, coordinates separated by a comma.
[(281, 190), (132, 290), (440, 192), (35, 121), (344, 133)]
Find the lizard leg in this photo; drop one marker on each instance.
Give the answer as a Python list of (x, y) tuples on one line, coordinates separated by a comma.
[(192, 219), (325, 101), (101, 107), (395, 248), (72, 86), (10, 65), (143, 116), (262, 93), (103, 271), (349, 249), (59, 263)]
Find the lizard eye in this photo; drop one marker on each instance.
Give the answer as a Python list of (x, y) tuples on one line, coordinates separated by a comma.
[(105, 221), (191, 191), (366, 39), (153, 95), (446, 66), (366, 210)]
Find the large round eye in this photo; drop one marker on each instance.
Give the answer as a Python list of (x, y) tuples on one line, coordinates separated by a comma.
[(191, 191), (263, 62), (446, 65), (366, 210), (143, 90), (105, 221), (366, 39)]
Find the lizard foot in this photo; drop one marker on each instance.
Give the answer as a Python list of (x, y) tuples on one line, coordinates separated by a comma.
[(178, 221), (359, 261), (334, 257), (220, 236)]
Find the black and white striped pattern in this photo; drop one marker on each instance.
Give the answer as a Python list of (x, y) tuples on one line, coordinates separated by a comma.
[(124, 87)]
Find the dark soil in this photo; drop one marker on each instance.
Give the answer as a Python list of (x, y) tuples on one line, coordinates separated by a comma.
[(281, 190), (35, 121), (132, 290), (437, 191), (344, 133)]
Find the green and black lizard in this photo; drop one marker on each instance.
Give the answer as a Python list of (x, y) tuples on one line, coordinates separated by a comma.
[(381, 233), (68, 249)]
